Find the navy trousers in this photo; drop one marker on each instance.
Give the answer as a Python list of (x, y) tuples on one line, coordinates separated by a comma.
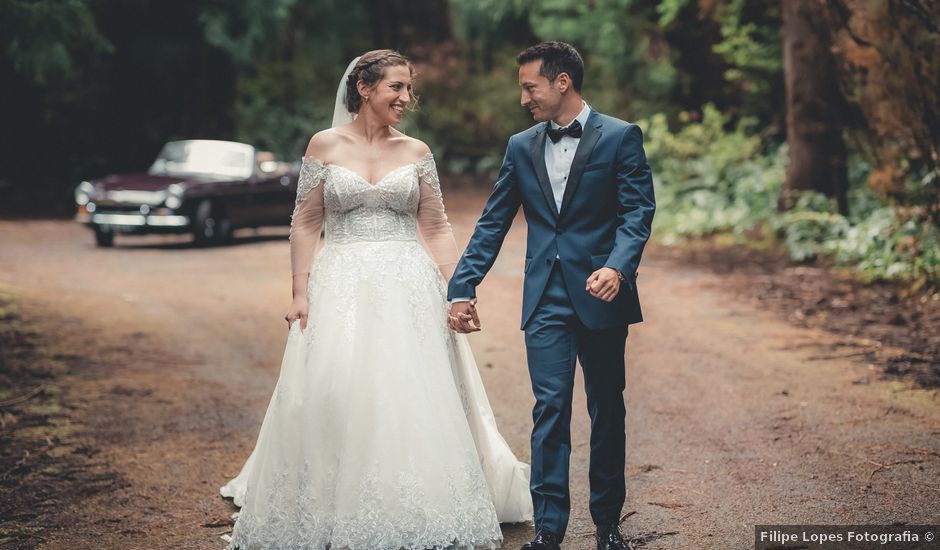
[(555, 339)]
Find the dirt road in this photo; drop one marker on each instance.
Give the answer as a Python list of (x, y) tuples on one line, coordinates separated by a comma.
[(735, 418)]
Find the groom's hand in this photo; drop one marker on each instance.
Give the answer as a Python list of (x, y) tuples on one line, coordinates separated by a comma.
[(463, 317), (604, 284)]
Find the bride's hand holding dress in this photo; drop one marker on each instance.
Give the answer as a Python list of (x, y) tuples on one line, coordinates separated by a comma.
[(298, 311)]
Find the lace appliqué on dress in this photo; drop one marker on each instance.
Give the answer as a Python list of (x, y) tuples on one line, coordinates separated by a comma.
[(312, 173), (427, 173), (392, 514)]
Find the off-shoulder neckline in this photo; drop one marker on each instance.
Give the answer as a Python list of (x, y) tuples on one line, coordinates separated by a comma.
[(426, 157)]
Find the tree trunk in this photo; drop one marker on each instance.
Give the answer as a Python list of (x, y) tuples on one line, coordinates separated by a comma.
[(814, 133)]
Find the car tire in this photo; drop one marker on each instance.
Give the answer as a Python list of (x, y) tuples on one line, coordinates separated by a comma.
[(103, 237), (210, 225)]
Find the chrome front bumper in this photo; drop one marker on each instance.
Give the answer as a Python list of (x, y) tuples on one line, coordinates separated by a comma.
[(133, 220)]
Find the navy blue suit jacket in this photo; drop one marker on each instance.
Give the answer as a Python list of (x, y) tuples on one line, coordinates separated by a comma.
[(605, 219)]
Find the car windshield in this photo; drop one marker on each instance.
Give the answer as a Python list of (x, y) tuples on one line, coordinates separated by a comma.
[(216, 159)]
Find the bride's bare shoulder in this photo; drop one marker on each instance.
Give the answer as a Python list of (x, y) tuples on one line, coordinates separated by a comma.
[(324, 143), (413, 147)]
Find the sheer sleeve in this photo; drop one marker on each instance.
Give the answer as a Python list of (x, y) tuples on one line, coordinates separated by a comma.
[(307, 220), (435, 229)]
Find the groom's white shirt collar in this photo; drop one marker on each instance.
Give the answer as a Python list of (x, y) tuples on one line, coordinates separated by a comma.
[(582, 116)]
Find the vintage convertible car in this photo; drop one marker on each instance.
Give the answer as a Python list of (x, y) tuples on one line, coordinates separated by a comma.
[(204, 187)]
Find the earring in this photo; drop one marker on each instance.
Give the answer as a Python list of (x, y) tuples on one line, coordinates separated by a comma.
[(366, 99)]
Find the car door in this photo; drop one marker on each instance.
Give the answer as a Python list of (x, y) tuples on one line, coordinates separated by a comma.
[(235, 198), (273, 189)]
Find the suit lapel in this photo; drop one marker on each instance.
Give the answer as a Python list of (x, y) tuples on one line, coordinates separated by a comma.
[(538, 159), (592, 133)]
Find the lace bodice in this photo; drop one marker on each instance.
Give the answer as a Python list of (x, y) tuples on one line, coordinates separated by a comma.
[(355, 210)]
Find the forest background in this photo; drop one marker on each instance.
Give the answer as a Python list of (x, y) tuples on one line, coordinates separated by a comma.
[(812, 125)]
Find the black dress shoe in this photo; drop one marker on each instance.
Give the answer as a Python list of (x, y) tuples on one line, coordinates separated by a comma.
[(608, 538), (542, 541)]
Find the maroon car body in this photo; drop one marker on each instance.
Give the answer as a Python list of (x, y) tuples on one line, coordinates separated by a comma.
[(205, 187)]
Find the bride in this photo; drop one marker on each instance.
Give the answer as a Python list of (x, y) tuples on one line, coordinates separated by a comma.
[(379, 435)]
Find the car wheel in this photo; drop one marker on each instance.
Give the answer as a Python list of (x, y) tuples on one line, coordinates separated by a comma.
[(103, 237), (210, 225)]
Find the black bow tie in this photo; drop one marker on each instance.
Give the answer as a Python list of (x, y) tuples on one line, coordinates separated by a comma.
[(573, 130)]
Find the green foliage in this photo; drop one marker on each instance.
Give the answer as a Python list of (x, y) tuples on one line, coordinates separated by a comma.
[(275, 112), (752, 47), (244, 27), (877, 242), (750, 44), (484, 107), (290, 57), (45, 40), (629, 69), (483, 21), (710, 180), (668, 10), (628, 65), (810, 226)]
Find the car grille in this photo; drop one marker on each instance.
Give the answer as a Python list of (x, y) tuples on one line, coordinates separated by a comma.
[(125, 196)]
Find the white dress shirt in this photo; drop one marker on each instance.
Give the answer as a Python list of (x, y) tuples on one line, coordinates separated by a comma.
[(558, 157)]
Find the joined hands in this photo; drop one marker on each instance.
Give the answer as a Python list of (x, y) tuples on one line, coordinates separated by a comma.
[(604, 284), (463, 317)]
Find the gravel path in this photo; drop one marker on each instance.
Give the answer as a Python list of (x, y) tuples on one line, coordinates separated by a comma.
[(734, 416)]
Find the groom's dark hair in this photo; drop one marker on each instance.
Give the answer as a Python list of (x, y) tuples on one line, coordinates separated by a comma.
[(557, 58)]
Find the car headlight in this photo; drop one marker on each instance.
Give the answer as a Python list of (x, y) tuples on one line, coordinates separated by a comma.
[(174, 195), (83, 193)]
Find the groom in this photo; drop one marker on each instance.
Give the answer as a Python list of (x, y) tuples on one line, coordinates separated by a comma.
[(582, 180)]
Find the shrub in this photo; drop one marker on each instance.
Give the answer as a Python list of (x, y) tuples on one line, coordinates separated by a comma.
[(714, 178)]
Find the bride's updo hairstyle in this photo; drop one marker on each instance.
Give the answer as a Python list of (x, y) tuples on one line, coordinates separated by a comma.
[(370, 69)]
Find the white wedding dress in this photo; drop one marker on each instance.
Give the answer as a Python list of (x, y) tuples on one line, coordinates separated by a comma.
[(379, 434)]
